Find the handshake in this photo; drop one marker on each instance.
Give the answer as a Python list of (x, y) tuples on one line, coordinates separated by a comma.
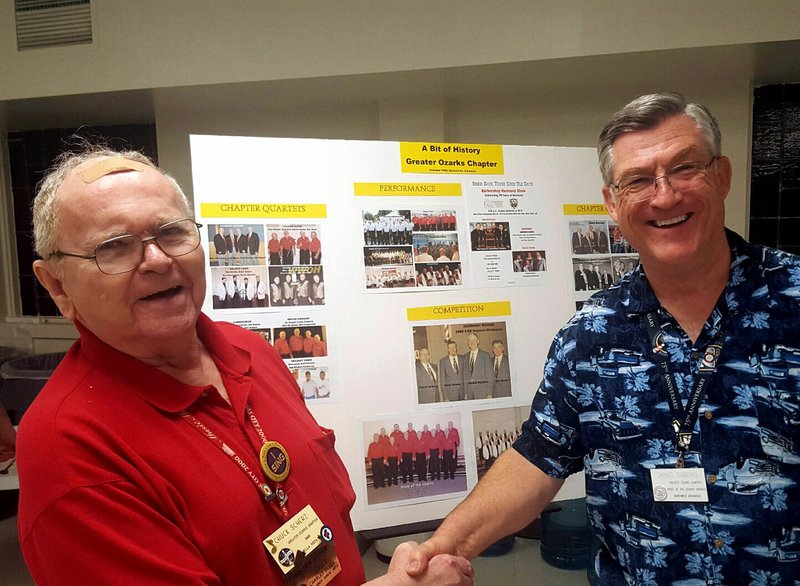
[(414, 563)]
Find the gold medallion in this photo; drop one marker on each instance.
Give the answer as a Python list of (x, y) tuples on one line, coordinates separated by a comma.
[(274, 461)]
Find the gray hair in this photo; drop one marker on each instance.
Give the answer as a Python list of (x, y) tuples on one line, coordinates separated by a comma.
[(646, 112), (46, 227)]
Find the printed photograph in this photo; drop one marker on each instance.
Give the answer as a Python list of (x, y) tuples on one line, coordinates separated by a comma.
[(239, 287), (387, 227), (293, 244), (461, 362), (438, 274), (235, 245), (413, 457), (495, 431), (489, 236), (592, 274), (392, 277), (529, 261), (291, 286)]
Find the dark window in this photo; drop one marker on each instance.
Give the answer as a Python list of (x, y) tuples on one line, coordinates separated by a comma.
[(775, 174), (31, 154)]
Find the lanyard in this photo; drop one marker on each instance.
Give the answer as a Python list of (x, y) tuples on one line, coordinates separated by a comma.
[(683, 420), (276, 498)]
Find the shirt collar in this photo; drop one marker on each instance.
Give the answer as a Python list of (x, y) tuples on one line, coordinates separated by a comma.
[(154, 386), (639, 297)]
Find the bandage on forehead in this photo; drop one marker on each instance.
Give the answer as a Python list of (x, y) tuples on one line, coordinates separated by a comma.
[(110, 165)]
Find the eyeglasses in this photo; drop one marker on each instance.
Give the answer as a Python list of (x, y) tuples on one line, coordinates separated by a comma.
[(122, 254), (683, 177)]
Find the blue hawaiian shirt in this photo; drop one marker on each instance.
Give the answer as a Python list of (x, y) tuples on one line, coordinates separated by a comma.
[(602, 407)]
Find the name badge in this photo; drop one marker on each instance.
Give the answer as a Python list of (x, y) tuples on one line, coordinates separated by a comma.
[(303, 549), (679, 485)]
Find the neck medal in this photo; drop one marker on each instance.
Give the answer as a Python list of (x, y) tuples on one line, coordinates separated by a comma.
[(274, 461)]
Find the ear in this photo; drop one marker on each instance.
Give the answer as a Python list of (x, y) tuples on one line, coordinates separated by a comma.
[(611, 205), (48, 275)]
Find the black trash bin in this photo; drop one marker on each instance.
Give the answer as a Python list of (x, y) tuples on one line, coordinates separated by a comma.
[(23, 378)]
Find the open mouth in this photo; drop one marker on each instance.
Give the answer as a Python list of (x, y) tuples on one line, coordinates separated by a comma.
[(669, 222), (165, 294)]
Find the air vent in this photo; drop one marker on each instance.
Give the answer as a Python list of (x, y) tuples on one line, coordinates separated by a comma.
[(49, 23)]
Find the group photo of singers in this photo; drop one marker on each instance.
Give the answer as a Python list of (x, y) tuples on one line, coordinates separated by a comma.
[(589, 237), (300, 342), (413, 457), (434, 220), (529, 261), (494, 431), (377, 256), (239, 288), (235, 245), (439, 247), (293, 244), (438, 274), (389, 277), (489, 236), (592, 274), (290, 286), (386, 227), (461, 362)]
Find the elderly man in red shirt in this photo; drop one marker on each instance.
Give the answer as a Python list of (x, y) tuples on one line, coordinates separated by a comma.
[(144, 459)]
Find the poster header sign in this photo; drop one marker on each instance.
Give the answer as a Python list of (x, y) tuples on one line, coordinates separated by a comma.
[(407, 189), (483, 309), (262, 210), (437, 157)]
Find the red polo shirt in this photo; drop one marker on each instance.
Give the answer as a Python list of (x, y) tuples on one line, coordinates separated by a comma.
[(117, 488)]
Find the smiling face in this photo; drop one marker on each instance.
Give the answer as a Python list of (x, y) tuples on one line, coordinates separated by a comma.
[(673, 229), (141, 312)]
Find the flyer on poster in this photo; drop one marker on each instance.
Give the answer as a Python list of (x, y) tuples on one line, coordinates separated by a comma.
[(507, 232)]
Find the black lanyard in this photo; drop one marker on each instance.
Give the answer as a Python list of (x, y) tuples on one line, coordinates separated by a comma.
[(683, 420)]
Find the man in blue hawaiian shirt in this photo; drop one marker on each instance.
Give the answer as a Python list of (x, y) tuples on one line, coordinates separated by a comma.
[(675, 390)]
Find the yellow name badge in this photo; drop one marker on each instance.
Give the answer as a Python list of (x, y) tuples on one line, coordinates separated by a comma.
[(303, 549)]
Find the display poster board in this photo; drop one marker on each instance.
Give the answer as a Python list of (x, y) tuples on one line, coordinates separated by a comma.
[(408, 286)]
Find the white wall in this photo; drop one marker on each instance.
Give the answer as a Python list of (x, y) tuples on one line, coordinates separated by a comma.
[(153, 44)]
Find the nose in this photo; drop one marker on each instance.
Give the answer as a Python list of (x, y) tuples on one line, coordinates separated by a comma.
[(666, 195), (153, 258)]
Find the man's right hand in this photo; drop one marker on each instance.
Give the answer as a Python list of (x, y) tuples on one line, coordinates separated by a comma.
[(426, 551)]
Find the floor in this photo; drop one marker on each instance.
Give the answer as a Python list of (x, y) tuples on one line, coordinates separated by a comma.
[(512, 569)]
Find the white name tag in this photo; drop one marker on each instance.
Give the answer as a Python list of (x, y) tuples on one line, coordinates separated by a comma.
[(682, 485)]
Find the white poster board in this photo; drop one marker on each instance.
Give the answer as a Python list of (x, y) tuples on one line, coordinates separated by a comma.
[(384, 252)]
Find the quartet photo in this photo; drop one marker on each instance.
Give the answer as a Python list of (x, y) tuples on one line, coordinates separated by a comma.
[(461, 362), (235, 245), (413, 457), (290, 286), (407, 249), (239, 287), (293, 244)]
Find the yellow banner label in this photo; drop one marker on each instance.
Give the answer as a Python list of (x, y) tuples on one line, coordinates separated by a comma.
[(489, 309), (407, 189), (585, 209), (263, 210), (438, 157)]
